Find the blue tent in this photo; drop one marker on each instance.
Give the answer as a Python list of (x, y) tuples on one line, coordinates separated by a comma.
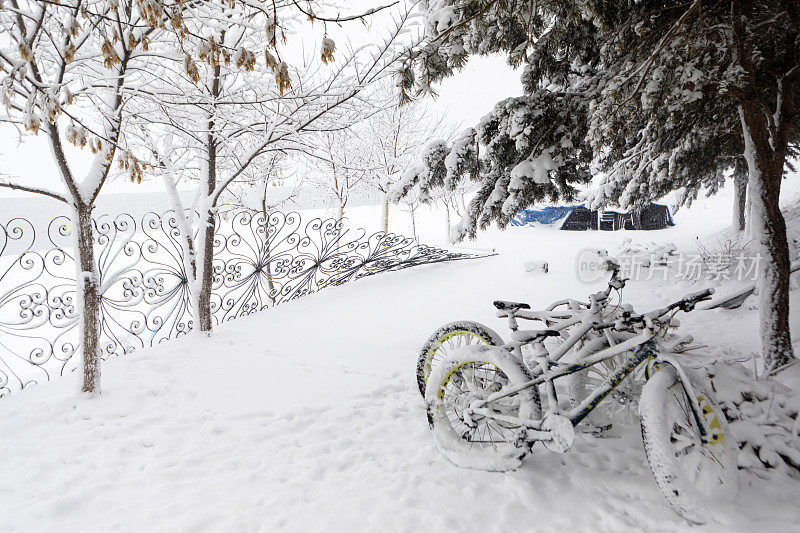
[(578, 217), (548, 215)]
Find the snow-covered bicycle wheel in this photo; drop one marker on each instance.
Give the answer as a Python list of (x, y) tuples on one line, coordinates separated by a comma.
[(449, 338), (690, 473), (469, 374)]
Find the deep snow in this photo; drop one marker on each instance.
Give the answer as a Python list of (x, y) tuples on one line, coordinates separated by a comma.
[(307, 417)]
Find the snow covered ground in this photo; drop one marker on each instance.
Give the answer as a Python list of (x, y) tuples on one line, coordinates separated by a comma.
[(306, 417)]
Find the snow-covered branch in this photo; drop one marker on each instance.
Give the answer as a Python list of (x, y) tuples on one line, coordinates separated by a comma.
[(35, 190)]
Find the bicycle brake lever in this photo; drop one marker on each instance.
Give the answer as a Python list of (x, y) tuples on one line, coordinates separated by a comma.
[(688, 307)]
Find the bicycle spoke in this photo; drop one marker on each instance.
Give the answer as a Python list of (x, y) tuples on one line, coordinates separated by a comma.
[(714, 457), (477, 381), (623, 402)]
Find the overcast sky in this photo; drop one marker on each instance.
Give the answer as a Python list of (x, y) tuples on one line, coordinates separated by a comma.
[(464, 99)]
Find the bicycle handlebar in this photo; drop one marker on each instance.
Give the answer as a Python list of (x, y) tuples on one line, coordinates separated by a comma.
[(686, 304)]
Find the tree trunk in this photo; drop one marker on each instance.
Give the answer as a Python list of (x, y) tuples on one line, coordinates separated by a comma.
[(206, 283), (89, 299), (208, 239), (339, 222), (270, 283), (740, 195), (188, 252), (190, 264), (386, 214), (765, 169), (447, 210)]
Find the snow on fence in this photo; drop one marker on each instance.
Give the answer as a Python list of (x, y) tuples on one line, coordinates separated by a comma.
[(259, 261)]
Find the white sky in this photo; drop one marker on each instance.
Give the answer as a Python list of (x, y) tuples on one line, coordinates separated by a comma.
[(464, 99)]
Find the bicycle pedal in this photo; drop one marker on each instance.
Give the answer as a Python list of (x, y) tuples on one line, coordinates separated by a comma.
[(521, 438)]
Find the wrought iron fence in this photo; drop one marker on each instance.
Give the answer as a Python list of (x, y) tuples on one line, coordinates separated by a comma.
[(259, 261)]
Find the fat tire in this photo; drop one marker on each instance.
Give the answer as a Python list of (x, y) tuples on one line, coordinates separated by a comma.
[(683, 495), (487, 334), (448, 441)]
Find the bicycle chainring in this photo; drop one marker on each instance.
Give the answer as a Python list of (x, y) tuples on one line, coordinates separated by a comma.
[(562, 433)]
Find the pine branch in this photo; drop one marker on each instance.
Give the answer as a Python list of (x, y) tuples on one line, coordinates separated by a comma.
[(648, 65)]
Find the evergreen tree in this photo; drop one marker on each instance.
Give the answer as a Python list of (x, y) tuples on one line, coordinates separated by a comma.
[(658, 96)]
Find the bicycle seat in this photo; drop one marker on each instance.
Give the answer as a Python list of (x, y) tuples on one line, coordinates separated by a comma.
[(504, 305), (533, 335)]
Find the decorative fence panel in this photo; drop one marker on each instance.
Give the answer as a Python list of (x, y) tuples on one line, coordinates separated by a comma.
[(259, 261)]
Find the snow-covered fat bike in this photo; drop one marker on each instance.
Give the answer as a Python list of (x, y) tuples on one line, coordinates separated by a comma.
[(572, 319), (485, 410)]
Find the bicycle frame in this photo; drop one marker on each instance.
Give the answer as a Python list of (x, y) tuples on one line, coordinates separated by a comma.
[(586, 321), (540, 376), (646, 349), (643, 353)]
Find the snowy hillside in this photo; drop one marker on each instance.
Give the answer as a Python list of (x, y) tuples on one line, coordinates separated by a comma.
[(306, 417)]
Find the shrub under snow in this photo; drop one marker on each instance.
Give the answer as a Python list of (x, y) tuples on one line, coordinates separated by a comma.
[(763, 416)]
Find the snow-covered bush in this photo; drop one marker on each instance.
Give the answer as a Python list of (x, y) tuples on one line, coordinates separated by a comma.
[(763, 417), (644, 254), (720, 256)]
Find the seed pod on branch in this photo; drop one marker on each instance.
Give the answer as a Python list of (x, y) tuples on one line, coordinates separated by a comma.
[(110, 57), (69, 53), (244, 58), (95, 145), (74, 27), (328, 47), (25, 52), (282, 77), (69, 98), (191, 68), (272, 63)]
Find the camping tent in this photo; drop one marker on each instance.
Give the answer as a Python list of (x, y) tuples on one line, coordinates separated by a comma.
[(548, 216), (654, 216), (580, 218)]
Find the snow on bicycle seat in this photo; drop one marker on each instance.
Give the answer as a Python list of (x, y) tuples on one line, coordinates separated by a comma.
[(531, 335), (504, 305)]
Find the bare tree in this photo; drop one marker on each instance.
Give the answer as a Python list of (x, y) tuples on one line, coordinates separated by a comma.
[(269, 185), (67, 70), (391, 140), (454, 202), (336, 168), (222, 109)]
